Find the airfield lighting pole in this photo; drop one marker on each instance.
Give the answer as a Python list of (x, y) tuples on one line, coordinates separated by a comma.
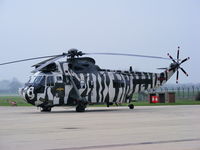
[(183, 92), (178, 91), (188, 92), (193, 95), (166, 89), (161, 89), (197, 90)]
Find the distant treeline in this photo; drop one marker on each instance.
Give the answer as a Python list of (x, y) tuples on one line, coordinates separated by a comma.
[(10, 86)]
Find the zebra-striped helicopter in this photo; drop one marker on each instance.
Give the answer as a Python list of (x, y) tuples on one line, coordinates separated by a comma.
[(78, 81)]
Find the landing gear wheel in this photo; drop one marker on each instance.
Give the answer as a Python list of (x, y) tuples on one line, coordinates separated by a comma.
[(131, 106), (80, 108), (46, 109)]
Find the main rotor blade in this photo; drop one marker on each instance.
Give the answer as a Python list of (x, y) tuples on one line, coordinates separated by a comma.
[(184, 71), (49, 62), (162, 68), (16, 61), (134, 55), (42, 62)]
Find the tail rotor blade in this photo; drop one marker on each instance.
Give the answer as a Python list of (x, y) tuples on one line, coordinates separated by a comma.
[(162, 68), (17, 61), (122, 54), (177, 75), (185, 60), (171, 58), (184, 71), (178, 54)]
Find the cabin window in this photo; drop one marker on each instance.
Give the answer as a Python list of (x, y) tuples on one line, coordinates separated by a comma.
[(50, 81), (82, 83), (59, 79)]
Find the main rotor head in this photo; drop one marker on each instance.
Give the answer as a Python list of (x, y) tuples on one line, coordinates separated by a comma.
[(74, 52)]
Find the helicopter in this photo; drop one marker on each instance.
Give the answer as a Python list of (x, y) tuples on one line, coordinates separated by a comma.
[(79, 82)]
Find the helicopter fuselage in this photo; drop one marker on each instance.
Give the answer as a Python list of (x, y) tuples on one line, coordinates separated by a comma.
[(80, 80)]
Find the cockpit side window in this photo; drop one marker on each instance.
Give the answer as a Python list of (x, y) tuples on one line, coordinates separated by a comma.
[(31, 79), (50, 81), (59, 79)]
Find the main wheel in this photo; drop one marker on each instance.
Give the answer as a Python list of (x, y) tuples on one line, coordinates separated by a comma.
[(131, 106), (80, 108), (46, 109)]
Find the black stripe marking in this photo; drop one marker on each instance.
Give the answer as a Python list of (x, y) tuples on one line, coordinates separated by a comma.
[(156, 78), (134, 84), (121, 96), (97, 88), (116, 88), (90, 87), (127, 86), (103, 86), (107, 84), (151, 77)]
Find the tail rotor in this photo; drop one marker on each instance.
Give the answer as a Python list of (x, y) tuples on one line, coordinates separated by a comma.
[(176, 65)]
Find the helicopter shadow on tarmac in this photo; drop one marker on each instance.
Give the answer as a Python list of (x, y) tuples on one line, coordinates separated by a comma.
[(89, 110)]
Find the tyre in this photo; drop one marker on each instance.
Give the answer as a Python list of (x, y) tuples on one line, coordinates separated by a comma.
[(131, 106), (46, 109), (80, 108)]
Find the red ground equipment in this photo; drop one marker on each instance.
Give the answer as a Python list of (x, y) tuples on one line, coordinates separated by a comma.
[(154, 99)]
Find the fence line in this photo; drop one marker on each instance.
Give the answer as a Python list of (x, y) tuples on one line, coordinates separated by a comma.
[(182, 92)]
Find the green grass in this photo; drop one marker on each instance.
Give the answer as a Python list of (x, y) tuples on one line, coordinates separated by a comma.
[(5, 101)]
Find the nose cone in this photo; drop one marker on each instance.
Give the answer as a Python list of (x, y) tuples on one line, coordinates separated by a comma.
[(28, 94), (20, 92)]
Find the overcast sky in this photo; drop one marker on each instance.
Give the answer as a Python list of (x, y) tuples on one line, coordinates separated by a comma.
[(151, 27)]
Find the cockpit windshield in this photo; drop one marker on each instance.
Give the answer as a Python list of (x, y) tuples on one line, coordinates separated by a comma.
[(37, 80)]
